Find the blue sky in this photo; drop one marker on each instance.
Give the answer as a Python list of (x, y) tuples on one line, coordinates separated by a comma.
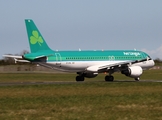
[(84, 24)]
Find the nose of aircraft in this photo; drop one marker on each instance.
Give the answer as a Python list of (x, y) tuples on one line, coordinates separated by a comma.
[(152, 63)]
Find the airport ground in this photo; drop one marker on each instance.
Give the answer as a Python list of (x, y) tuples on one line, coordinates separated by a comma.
[(56, 96)]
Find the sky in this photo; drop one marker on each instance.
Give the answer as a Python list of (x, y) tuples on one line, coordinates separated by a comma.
[(83, 24)]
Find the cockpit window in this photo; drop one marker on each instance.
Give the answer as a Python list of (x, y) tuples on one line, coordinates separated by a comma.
[(149, 57)]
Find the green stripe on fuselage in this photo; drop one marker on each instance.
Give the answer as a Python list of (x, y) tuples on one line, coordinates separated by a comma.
[(110, 55)]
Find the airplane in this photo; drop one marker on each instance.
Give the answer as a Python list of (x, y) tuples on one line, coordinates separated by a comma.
[(86, 63)]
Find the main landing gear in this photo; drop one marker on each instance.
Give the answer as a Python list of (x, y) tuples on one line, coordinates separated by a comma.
[(109, 78), (79, 78)]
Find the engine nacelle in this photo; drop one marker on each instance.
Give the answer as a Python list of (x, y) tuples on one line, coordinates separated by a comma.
[(134, 71), (90, 75)]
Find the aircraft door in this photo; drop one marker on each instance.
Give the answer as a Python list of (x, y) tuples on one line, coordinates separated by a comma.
[(58, 59)]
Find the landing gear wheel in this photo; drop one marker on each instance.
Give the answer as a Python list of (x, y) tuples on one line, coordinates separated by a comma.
[(137, 79), (79, 78), (109, 78)]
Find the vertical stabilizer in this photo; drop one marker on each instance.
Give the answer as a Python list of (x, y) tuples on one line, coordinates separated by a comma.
[(36, 40)]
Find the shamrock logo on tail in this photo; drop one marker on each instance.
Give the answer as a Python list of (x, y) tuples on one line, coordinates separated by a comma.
[(36, 38)]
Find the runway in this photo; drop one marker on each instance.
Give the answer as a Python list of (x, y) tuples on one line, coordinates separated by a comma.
[(71, 82)]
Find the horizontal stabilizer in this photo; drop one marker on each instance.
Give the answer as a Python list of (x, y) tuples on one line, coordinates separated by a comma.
[(13, 56), (16, 58), (36, 56)]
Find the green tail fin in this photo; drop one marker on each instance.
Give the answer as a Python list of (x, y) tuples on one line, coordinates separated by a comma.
[(36, 40)]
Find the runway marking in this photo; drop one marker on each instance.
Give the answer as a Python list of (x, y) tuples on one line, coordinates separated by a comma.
[(69, 82)]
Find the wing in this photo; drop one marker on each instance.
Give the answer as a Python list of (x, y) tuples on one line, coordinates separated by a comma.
[(115, 67)]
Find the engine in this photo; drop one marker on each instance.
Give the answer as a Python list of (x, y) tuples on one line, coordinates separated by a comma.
[(134, 71), (90, 75)]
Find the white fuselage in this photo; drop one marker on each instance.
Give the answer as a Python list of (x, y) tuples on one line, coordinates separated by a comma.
[(77, 66)]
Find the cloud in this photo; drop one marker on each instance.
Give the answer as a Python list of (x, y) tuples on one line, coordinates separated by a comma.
[(157, 53)]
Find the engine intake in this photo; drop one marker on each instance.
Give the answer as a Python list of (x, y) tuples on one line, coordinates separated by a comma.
[(134, 71)]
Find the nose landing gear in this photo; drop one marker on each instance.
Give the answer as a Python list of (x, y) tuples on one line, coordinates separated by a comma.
[(137, 79)]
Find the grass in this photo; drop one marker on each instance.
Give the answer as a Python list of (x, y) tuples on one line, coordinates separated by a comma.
[(123, 100), (97, 100)]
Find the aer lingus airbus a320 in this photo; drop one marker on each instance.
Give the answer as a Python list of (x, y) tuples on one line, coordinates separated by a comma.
[(85, 63)]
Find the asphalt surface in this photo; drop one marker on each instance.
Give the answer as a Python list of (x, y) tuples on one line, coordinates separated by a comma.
[(69, 82)]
